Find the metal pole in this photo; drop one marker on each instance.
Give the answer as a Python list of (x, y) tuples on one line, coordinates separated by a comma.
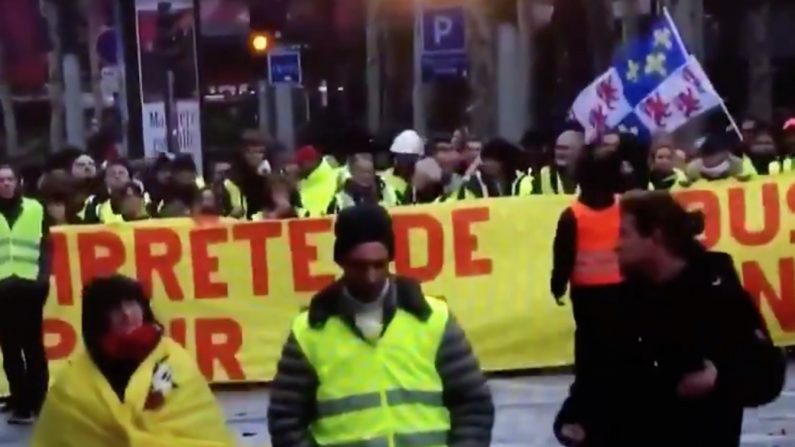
[(525, 62), (169, 109), (285, 121), (73, 100), (263, 107), (418, 99)]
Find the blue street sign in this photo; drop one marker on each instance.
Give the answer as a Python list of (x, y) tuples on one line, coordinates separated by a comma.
[(444, 52), (443, 30), (451, 65), (284, 67)]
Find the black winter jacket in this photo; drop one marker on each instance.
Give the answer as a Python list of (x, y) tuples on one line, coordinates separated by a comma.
[(703, 314), (466, 394)]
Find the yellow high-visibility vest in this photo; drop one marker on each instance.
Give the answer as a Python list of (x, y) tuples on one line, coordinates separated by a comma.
[(782, 166), (318, 189), (383, 393), (20, 244)]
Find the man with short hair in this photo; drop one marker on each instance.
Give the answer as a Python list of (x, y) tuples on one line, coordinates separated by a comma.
[(363, 186), (374, 361), (24, 283)]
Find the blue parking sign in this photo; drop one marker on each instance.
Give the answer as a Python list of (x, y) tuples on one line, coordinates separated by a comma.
[(444, 52), (284, 67), (443, 30)]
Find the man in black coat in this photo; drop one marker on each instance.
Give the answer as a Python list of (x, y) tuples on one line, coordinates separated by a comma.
[(695, 350), (373, 361)]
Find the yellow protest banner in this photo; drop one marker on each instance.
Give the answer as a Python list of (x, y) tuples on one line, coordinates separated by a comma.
[(229, 291)]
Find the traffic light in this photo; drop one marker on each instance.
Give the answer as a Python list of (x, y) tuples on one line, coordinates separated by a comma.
[(259, 42), (267, 24)]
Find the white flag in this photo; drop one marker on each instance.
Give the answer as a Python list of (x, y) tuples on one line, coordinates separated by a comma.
[(685, 95)]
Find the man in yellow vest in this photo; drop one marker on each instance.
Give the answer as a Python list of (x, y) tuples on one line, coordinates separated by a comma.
[(24, 283), (364, 186), (559, 177), (374, 361)]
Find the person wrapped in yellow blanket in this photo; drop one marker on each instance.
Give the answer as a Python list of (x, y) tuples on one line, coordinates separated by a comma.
[(133, 386)]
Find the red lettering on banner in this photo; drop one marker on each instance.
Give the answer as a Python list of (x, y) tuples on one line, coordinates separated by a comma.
[(206, 265), (782, 305), (178, 331), (791, 206), (707, 202), (257, 235), (771, 214), (67, 338), (209, 349), (92, 264), (465, 244), (302, 254), (61, 269), (147, 262), (403, 224)]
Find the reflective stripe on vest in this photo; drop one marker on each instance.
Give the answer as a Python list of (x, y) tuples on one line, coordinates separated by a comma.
[(367, 395), (20, 247), (597, 238), (522, 186)]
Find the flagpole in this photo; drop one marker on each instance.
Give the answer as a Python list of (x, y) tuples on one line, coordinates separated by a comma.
[(682, 46)]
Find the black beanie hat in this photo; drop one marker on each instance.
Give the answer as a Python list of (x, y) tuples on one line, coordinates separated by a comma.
[(361, 224)]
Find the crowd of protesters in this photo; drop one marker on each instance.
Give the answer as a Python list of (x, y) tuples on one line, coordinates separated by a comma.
[(652, 357), (314, 180)]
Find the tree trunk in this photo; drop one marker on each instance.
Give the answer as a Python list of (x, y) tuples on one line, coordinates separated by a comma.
[(55, 86), (483, 69), (90, 10), (760, 86), (7, 106)]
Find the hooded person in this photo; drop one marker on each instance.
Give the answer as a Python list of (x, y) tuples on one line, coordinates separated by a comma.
[(374, 360), (759, 147), (319, 180), (132, 385), (158, 184)]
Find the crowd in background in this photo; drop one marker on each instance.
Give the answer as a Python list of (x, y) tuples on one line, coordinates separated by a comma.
[(262, 180)]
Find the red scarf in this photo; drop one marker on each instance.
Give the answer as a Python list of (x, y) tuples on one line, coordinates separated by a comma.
[(136, 345)]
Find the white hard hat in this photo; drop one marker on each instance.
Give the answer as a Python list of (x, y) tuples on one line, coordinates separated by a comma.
[(408, 142)]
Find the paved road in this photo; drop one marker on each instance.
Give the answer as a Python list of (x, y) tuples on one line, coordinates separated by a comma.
[(526, 408)]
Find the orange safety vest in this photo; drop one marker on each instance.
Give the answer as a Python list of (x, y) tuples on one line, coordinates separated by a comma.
[(597, 239)]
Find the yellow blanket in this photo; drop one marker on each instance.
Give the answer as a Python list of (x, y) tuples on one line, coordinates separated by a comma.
[(167, 404)]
